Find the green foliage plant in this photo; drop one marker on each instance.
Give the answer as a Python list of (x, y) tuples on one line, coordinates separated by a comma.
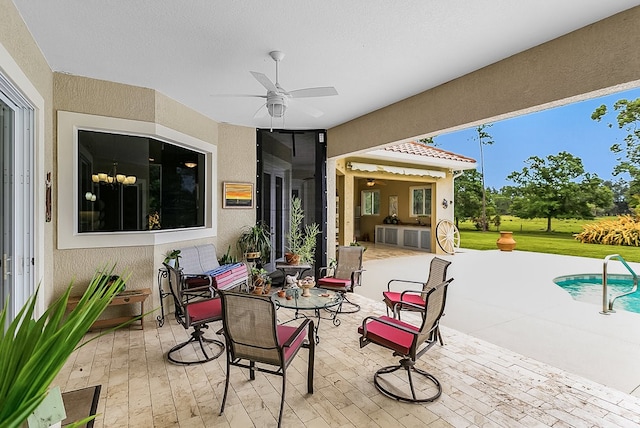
[(256, 239), (227, 258), (301, 240), (33, 351), (173, 255)]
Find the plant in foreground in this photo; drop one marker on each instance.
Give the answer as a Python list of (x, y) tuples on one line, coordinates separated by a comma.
[(32, 351)]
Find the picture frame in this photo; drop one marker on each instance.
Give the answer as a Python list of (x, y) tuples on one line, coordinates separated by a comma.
[(237, 195), (393, 205)]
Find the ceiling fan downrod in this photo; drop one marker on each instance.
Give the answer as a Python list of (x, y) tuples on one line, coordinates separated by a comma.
[(277, 57)]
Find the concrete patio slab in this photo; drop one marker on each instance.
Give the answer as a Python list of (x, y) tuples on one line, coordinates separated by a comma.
[(510, 299)]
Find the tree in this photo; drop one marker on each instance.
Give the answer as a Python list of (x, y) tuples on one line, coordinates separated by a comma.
[(620, 190), (628, 118), (483, 139), (503, 200), (548, 188), (429, 140), (467, 195)]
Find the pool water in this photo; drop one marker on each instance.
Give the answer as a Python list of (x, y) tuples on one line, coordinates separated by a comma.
[(588, 288)]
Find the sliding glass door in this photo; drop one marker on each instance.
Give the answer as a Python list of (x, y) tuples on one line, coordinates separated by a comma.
[(16, 199)]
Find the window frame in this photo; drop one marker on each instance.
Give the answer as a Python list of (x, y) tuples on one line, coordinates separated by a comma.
[(425, 206), (101, 152), (363, 195), (67, 193)]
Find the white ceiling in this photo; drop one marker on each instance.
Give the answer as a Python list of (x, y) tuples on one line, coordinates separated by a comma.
[(374, 52)]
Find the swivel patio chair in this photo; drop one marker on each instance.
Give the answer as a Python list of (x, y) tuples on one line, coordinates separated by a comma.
[(395, 300), (346, 275), (409, 342), (194, 308), (253, 336)]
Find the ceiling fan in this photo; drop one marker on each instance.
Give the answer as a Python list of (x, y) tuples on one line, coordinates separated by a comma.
[(278, 99), (372, 182)]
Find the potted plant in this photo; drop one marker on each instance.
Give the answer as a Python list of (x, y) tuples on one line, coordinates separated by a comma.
[(255, 242), (301, 240), (32, 351), (260, 280), (172, 258), (227, 258)]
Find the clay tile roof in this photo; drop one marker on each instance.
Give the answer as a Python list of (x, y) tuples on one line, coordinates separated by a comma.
[(421, 149)]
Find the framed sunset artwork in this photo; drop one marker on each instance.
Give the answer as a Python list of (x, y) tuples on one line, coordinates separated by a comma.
[(237, 195)]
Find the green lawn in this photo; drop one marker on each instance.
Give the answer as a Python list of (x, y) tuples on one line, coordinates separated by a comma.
[(530, 235)]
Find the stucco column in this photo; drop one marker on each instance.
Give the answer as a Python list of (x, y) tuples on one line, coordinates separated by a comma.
[(348, 216)]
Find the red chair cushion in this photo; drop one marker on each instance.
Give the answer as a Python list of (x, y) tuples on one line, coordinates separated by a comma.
[(284, 333), (334, 283), (391, 298), (389, 336), (205, 310)]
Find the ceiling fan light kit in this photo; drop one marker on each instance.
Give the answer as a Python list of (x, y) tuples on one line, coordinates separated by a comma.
[(276, 105), (278, 98)]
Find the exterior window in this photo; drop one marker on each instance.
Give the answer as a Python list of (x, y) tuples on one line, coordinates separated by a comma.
[(370, 200), (420, 201), (134, 183)]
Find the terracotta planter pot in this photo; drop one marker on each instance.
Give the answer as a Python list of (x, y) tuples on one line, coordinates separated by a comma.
[(506, 241), (291, 259), (258, 290), (252, 255)]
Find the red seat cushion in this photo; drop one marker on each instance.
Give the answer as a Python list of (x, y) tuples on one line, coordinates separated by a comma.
[(284, 333), (389, 336), (391, 298), (205, 310), (334, 283)]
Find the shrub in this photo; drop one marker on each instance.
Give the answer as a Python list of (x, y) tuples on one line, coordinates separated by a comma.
[(622, 230)]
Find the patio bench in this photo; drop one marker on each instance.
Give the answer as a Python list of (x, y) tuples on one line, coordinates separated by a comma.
[(199, 264)]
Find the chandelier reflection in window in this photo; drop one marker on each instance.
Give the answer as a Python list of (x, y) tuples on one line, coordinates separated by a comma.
[(113, 177)]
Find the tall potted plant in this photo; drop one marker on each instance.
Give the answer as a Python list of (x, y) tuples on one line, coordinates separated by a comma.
[(255, 242), (32, 351), (301, 240)]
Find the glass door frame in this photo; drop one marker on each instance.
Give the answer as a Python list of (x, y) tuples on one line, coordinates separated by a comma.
[(17, 268)]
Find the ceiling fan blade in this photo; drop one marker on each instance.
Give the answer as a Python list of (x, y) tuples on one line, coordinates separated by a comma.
[(264, 81), (324, 91), (305, 108), (238, 95), (261, 112)]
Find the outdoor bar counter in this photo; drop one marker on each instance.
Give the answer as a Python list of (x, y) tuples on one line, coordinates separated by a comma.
[(406, 236)]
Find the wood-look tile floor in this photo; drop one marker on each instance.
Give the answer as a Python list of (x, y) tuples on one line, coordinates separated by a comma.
[(483, 385)]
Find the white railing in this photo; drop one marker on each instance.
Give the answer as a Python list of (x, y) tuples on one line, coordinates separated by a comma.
[(607, 303)]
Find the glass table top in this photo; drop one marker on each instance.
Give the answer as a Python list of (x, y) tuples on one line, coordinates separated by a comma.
[(319, 299)]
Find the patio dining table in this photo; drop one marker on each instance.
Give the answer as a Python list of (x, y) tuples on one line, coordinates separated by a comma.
[(319, 300)]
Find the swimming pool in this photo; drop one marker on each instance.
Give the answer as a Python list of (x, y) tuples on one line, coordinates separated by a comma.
[(588, 288)]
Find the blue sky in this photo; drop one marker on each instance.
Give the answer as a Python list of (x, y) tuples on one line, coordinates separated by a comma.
[(569, 128)]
